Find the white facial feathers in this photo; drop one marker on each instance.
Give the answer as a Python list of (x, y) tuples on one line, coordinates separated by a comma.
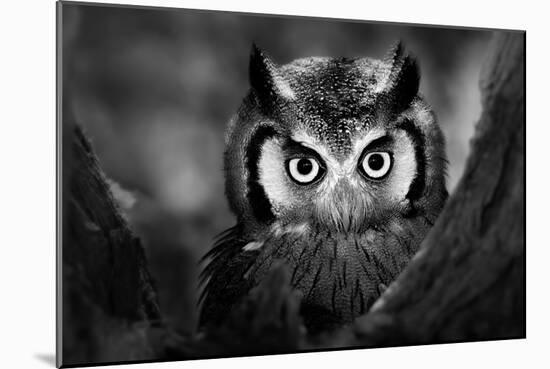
[(336, 169), (404, 165), (343, 189), (273, 174)]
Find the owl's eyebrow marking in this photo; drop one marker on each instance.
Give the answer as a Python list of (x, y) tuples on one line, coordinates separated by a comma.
[(379, 142), (297, 148)]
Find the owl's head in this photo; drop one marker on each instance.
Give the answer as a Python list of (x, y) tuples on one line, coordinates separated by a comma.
[(345, 144)]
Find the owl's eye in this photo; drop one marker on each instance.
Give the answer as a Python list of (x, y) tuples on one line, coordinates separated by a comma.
[(376, 165), (304, 170)]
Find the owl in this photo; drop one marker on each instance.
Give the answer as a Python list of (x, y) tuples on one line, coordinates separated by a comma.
[(335, 167)]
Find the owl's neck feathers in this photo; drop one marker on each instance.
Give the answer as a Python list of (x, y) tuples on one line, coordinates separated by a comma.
[(339, 273), (278, 230), (257, 239)]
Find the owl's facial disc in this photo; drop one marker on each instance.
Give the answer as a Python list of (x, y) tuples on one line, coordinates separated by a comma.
[(304, 181)]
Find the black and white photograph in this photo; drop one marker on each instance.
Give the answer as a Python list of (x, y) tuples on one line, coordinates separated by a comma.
[(234, 184)]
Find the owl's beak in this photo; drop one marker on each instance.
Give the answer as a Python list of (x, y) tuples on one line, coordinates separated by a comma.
[(344, 208)]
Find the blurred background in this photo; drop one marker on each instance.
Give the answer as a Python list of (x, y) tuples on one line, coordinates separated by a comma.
[(154, 88)]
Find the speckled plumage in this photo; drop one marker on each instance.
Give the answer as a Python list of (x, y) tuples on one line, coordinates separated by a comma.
[(345, 236)]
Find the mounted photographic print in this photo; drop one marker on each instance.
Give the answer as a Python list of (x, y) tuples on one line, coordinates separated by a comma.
[(235, 184)]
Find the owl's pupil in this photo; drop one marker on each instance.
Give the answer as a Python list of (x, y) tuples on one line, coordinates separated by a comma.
[(376, 162), (304, 166)]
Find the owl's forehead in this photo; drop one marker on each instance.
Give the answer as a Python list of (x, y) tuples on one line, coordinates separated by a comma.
[(335, 98)]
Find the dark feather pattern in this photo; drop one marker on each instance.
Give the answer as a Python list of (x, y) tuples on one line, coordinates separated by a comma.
[(403, 83), (261, 208), (338, 275), (223, 278), (417, 186), (262, 74)]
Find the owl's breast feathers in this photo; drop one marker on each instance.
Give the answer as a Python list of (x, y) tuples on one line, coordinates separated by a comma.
[(338, 275)]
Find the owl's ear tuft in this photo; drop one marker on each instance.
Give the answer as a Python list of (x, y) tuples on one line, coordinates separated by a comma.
[(265, 80), (261, 71), (403, 80)]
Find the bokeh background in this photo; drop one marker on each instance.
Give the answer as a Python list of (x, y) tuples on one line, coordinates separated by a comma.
[(154, 88)]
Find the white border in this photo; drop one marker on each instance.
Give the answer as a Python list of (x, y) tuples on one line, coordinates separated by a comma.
[(27, 270)]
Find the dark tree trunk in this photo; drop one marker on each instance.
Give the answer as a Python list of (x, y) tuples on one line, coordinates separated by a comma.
[(108, 296), (468, 280)]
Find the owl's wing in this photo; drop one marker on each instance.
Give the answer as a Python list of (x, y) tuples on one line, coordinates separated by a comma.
[(223, 278)]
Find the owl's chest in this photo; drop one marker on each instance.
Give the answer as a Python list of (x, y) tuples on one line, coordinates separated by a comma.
[(339, 275)]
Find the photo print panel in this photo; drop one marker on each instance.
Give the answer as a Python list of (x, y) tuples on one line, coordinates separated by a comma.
[(235, 184)]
